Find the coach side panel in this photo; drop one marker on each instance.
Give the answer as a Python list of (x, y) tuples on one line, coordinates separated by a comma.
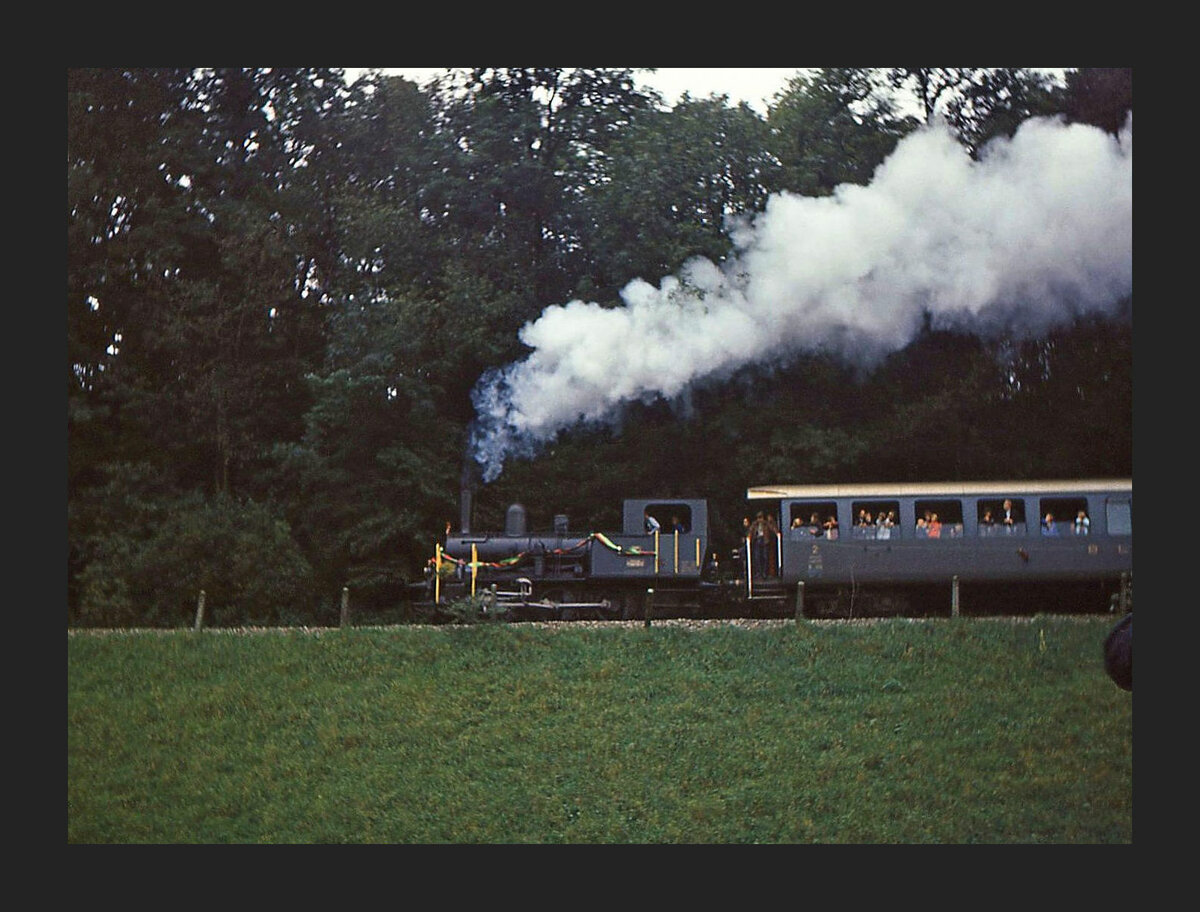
[(981, 538)]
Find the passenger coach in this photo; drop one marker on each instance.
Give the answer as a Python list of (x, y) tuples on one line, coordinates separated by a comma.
[(843, 541)]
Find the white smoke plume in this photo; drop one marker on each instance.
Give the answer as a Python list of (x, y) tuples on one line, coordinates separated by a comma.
[(1038, 230)]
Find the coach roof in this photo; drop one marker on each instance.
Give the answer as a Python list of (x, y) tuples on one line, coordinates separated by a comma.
[(941, 489)]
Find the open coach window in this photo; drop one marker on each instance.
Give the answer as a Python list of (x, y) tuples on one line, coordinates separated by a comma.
[(1001, 516), (875, 518), (938, 519), (813, 518), (1065, 516)]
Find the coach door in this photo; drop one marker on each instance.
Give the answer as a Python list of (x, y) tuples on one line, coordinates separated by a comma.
[(808, 526)]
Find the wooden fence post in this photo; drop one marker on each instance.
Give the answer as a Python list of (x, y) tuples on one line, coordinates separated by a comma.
[(800, 601), (345, 619), (199, 612), (954, 597), (649, 606)]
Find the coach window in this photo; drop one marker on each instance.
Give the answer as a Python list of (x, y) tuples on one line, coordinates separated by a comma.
[(1119, 517), (939, 519), (1061, 513), (1007, 515), (813, 519), (1000, 516), (875, 519)]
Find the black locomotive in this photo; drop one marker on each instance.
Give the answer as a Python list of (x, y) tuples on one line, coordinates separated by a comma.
[(565, 574), (831, 550)]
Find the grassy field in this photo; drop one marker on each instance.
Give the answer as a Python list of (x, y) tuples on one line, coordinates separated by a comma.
[(953, 730)]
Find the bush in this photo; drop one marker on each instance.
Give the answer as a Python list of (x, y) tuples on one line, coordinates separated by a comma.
[(151, 571), (472, 610)]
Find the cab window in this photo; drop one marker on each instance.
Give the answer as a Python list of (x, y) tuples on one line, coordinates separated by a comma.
[(672, 517)]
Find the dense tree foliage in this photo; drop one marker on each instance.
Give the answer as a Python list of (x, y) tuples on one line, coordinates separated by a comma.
[(670, 188), (831, 128), (282, 290)]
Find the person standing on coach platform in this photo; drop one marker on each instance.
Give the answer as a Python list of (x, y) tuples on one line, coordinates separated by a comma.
[(758, 544)]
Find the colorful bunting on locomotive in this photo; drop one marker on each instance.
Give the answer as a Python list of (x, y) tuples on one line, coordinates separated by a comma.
[(518, 558)]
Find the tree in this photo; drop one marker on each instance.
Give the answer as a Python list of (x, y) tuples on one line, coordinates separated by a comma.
[(978, 103), (127, 222), (249, 327), (930, 85), (529, 141), (194, 236), (1101, 96), (995, 101), (200, 281), (673, 189), (832, 128), (373, 476), (394, 217)]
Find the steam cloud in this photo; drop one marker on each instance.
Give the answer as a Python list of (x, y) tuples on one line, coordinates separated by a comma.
[(1039, 230)]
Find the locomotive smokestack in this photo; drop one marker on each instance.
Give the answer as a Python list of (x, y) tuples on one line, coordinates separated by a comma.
[(467, 483)]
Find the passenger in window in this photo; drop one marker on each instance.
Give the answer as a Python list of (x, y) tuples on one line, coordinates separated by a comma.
[(652, 524), (862, 525), (987, 523), (831, 527), (922, 528), (814, 524), (797, 523), (1010, 519), (1082, 524), (934, 528), (677, 524), (1048, 526), (884, 524)]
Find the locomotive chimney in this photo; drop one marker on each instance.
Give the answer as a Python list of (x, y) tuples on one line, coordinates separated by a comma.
[(466, 491)]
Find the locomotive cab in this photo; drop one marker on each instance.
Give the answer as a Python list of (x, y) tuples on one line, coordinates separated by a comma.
[(675, 551)]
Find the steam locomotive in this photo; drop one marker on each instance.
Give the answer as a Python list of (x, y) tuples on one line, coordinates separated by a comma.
[(832, 551)]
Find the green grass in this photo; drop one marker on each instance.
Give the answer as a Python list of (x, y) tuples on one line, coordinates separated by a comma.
[(931, 731)]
